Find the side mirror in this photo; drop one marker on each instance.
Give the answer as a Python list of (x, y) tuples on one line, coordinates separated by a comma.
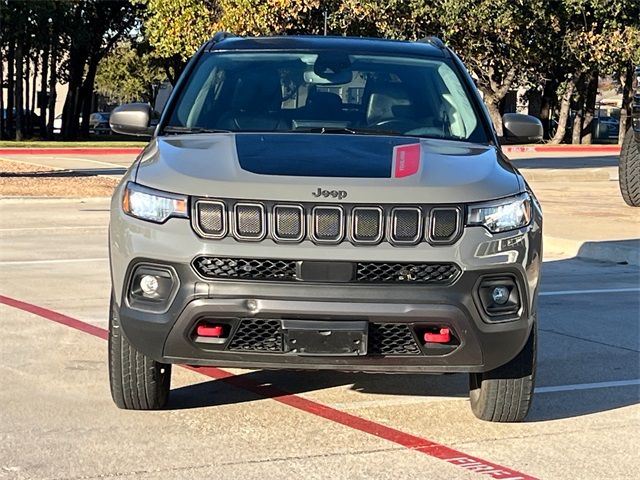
[(519, 128), (132, 119)]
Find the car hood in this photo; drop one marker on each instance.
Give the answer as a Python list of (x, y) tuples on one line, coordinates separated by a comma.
[(351, 168)]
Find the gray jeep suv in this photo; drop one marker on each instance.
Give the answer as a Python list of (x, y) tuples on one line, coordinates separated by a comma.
[(325, 203)]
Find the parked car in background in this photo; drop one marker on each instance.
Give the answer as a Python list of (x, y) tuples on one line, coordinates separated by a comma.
[(629, 165), (605, 130), (99, 123)]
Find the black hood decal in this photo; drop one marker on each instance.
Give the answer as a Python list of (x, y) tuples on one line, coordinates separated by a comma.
[(318, 155)]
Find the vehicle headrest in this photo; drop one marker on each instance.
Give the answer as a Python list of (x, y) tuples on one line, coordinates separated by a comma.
[(383, 102), (258, 91)]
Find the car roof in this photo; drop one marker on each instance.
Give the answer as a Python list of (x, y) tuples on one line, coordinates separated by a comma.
[(359, 45)]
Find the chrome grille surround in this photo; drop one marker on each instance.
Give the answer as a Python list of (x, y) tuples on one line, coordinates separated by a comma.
[(252, 228), (278, 219), (327, 224), (322, 228), (436, 231), (197, 218), (398, 234), (358, 225)]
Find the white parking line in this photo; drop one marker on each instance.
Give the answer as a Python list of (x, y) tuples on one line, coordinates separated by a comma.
[(80, 159), (583, 292), (588, 386), (78, 227), (57, 260)]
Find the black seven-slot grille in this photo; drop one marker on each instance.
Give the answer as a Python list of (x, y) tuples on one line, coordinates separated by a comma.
[(287, 270), (327, 224), (265, 335)]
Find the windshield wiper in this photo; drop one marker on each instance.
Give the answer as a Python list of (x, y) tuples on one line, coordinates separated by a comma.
[(191, 130), (348, 130)]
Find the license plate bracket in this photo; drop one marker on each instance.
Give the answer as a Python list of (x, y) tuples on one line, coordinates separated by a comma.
[(335, 338)]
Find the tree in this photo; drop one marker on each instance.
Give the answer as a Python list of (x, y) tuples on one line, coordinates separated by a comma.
[(499, 41), (94, 28), (176, 28), (598, 37), (397, 19), (128, 74), (71, 38), (392, 19)]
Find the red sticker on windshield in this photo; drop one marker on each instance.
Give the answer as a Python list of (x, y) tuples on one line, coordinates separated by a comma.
[(406, 160)]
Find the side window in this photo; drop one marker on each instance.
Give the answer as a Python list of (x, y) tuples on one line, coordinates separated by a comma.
[(459, 112)]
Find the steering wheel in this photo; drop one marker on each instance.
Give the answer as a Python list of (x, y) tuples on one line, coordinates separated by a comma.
[(396, 124)]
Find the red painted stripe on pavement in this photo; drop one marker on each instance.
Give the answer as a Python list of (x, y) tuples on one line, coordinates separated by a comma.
[(55, 317), (71, 151), (412, 442)]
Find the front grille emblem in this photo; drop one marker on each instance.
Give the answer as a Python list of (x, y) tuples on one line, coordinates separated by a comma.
[(339, 194)]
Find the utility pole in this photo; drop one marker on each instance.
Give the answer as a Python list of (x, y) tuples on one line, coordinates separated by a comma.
[(325, 22)]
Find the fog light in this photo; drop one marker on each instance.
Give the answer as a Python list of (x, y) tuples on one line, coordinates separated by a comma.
[(500, 295), (149, 285)]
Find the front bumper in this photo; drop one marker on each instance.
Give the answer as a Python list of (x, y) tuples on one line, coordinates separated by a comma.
[(167, 335)]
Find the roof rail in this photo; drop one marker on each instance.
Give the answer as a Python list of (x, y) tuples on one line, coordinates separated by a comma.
[(217, 38), (433, 40)]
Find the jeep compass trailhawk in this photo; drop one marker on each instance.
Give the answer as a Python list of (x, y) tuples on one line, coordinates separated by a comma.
[(325, 203)]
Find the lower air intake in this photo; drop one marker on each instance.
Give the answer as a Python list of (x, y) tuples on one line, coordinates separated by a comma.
[(365, 272)]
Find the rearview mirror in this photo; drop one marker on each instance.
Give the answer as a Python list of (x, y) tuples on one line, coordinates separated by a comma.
[(131, 119), (519, 128)]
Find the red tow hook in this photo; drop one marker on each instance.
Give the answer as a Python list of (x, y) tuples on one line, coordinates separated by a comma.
[(205, 330), (443, 337)]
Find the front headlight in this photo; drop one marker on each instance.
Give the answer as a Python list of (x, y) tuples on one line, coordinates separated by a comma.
[(152, 205), (501, 215)]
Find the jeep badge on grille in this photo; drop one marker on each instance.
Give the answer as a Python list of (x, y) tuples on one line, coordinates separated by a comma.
[(339, 194)]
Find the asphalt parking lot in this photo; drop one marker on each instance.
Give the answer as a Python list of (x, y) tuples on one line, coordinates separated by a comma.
[(58, 421)]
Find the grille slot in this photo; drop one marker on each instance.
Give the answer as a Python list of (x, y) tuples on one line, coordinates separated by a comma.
[(265, 335), (426, 273), (366, 224), (328, 224), (392, 339), (211, 218), (366, 272), (406, 225), (257, 335), (246, 268), (288, 222), (249, 221), (444, 225)]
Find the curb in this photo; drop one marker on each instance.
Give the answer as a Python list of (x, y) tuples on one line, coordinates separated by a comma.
[(614, 251), (19, 200), (563, 175), (561, 148), (71, 151)]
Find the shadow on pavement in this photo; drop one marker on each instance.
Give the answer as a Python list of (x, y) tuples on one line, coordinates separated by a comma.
[(567, 162), (584, 339)]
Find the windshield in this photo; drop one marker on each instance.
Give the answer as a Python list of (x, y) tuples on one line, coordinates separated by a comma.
[(326, 92)]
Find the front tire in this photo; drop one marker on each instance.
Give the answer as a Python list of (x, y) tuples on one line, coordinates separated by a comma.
[(629, 170), (505, 393), (137, 381)]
